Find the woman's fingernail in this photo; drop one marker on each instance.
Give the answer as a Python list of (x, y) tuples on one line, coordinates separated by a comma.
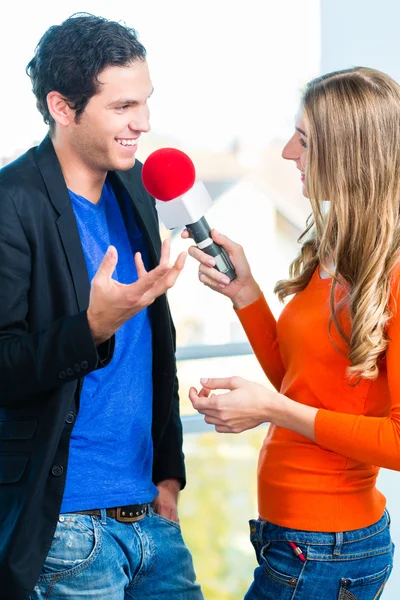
[(225, 280), (203, 381), (211, 262)]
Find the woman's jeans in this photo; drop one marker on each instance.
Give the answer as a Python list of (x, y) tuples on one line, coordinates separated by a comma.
[(353, 565), (99, 558)]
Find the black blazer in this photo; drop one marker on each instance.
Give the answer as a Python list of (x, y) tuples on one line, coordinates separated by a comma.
[(46, 349)]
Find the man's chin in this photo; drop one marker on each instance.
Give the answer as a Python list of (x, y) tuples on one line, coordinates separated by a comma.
[(123, 165)]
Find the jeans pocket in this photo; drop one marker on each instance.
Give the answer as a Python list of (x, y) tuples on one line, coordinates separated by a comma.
[(389, 520), (255, 538), (170, 522), (364, 588), (278, 573), (75, 545)]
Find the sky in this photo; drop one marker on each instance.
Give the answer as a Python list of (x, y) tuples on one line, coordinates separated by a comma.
[(220, 68)]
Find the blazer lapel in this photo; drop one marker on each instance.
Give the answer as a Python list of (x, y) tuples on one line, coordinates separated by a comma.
[(50, 170), (132, 186)]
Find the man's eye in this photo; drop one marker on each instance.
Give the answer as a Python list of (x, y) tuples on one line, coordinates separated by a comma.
[(123, 108)]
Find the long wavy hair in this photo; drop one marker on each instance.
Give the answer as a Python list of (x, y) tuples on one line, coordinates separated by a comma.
[(352, 121)]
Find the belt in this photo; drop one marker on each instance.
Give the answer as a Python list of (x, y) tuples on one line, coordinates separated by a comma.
[(124, 514)]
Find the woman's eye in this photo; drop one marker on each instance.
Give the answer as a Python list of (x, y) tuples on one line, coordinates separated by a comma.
[(303, 143)]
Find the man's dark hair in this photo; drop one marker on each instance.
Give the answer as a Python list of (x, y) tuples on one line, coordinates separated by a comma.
[(70, 56)]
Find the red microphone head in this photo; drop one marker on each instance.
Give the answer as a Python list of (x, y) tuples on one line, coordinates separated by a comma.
[(168, 173)]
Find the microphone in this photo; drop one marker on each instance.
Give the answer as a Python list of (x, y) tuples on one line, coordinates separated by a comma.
[(169, 176)]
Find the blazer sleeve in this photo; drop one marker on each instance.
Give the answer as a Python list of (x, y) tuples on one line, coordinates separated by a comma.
[(169, 458), (260, 327), (32, 363)]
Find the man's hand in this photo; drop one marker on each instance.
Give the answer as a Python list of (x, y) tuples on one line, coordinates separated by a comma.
[(166, 503), (112, 303)]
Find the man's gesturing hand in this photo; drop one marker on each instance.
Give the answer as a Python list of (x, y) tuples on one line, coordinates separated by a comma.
[(111, 303)]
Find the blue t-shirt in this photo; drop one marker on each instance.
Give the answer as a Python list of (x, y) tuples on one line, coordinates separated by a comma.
[(111, 450)]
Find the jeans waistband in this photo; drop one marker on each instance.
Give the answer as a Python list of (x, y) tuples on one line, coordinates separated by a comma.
[(265, 531), (123, 514)]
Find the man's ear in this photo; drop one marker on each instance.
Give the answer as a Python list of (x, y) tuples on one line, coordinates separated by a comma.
[(59, 109)]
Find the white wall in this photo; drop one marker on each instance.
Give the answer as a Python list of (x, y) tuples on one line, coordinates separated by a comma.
[(360, 33), (366, 33)]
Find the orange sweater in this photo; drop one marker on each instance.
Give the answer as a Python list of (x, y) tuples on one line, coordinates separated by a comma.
[(328, 485)]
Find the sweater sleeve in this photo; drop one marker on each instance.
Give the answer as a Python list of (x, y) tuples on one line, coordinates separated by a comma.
[(373, 440), (260, 327)]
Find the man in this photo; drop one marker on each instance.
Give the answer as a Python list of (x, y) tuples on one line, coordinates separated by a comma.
[(90, 432)]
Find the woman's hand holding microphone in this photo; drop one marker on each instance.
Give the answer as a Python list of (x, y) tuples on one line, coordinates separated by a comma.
[(243, 290)]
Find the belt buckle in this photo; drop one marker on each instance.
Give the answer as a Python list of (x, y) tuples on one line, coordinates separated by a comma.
[(124, 515)]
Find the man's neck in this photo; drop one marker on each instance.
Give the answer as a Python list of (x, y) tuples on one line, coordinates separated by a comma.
[(78, 176)]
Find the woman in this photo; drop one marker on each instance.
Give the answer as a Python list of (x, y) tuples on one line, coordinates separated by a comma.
[(333, 356)]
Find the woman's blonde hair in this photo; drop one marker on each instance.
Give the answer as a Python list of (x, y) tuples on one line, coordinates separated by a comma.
[(352, 120)]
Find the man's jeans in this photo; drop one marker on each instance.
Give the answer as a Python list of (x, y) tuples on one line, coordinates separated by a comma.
[(99, 557)]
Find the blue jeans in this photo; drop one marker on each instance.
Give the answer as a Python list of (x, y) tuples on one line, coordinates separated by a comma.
[(103, 559), (353, 565)]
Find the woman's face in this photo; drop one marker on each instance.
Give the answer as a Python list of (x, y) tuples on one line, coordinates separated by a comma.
[(296, 149)]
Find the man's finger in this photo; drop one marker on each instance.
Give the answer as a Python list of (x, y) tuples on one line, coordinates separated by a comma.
[(108, 264), (169, 278), (140, 268), (180, 261), (156, 282), (147, 281), (166, 510), (165, 252)]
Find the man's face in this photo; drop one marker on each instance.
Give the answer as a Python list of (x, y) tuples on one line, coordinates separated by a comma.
[(107, 133)]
